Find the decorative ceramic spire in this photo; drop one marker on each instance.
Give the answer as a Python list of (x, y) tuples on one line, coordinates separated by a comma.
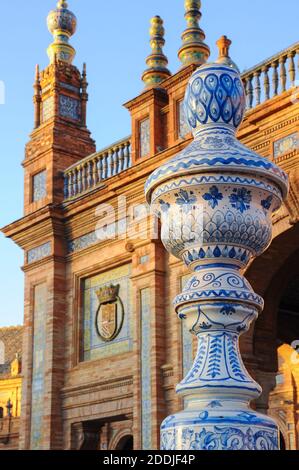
[(157, 62), (223, 46), (193, 50), (215, 200), (62, 23)]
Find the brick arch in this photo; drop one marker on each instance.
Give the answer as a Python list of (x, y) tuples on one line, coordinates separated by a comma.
[(115, 441), (271, 275)]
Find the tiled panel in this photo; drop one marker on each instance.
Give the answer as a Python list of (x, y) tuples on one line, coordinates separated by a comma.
[(39, 253), (67, 86), (48, 109), (91, 238), (144, 133), (69, 107), (183, 129), (94, 346), (286, 144), (146, 403), (187, 339), (38, 371), (39, 186)]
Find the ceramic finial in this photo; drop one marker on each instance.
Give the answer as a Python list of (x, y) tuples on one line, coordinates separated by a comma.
[(157, 61), (224, 58), (62, 24), (193, 50)]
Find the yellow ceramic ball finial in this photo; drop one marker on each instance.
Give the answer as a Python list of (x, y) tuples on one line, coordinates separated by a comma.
[(62, 4), (223, 45), (62, 24), (157, 62), (193, 50)]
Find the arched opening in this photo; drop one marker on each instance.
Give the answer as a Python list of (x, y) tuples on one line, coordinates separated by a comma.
[(1, 412), (125, 443), (276, 337)]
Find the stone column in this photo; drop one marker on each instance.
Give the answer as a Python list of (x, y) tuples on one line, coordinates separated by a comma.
[(215, 200)]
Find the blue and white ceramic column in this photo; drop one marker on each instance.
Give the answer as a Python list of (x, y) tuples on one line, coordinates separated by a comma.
[(215, 200)]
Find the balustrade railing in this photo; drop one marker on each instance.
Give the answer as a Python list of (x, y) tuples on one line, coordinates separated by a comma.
[(91, 171), (272, 77)]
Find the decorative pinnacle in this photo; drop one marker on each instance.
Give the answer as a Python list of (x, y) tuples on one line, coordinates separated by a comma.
[(224, 58), (84, 79), (37, 76), (62, 23), (193, 50), (157, 62)]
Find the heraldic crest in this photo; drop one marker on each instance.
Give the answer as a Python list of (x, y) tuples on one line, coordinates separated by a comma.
[(110, 314)]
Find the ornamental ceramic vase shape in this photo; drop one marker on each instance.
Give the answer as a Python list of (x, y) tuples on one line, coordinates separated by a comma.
[(215, 200)]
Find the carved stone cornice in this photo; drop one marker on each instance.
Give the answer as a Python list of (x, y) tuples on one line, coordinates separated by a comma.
[(36, 228), (98, 386)]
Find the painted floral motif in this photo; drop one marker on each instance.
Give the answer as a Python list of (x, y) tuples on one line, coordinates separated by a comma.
[(241, 199), (213, 197), (220, 438), (266, 204), (165, 206), (185, 200), (228, 310)]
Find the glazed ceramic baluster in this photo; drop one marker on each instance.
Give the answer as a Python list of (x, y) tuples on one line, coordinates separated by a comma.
[(216, 200)]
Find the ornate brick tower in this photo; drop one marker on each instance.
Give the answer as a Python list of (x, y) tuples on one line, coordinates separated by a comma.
[(59, 139)]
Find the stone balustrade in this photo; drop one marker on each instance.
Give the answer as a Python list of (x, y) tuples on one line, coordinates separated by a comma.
[(271, 77), (91, 171)]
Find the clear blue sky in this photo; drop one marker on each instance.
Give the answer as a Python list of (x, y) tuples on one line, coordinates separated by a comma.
[(112, 38)]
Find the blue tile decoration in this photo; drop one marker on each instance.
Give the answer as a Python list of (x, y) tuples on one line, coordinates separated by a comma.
[(82, 242), (144, 138), (91, 238), (39, 186), (48, 108), (286, 145), (187, 339), (183, 129), (69, 108), (67, 86), (146, 392), (38, 253), (38, 368), (94, 346)]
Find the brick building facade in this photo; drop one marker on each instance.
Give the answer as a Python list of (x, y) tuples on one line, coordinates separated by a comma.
[(102, 348)]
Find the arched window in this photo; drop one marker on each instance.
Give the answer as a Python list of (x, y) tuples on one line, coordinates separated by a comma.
[(1, 412)]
